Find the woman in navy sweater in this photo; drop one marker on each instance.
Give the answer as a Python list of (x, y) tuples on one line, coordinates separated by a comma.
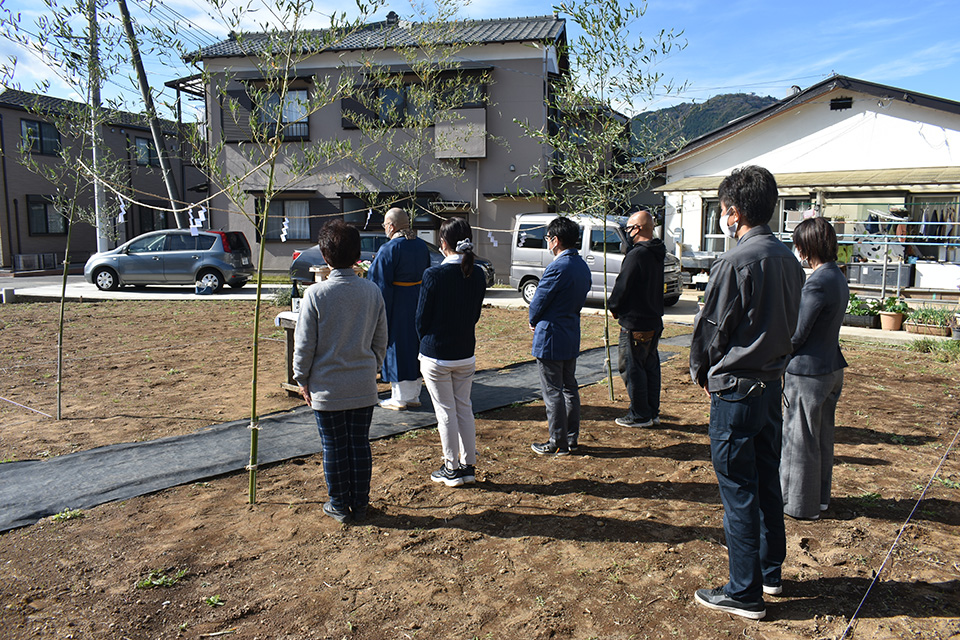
[(448, 310)]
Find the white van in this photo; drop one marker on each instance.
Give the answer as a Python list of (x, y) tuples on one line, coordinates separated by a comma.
[(529, 255)]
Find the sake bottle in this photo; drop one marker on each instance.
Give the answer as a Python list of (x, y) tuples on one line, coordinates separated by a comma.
[(295, 297)]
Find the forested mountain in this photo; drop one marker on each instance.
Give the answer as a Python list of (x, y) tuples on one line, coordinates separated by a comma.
[(673, 126)]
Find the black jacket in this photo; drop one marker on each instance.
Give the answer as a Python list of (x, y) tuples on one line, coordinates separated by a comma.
[(637, 297), (823, 301)]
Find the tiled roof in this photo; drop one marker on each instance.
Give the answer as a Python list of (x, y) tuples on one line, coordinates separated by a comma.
[(39, 103), (392, 34)]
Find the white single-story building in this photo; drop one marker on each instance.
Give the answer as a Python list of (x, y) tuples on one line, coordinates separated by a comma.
[(882, 163)]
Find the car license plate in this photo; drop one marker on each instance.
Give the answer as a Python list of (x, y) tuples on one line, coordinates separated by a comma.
[(245, 261)]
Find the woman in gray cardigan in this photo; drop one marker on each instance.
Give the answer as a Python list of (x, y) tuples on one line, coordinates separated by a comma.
[(340, 342), (814, 376)]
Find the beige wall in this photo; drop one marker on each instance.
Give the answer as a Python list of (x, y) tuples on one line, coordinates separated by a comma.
[(515, 92), (17, 182)]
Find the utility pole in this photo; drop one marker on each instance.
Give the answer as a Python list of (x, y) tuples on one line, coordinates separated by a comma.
[(93, 70), (158, 142)]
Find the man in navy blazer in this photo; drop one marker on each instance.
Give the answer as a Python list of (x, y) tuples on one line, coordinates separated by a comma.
[(555, 322)]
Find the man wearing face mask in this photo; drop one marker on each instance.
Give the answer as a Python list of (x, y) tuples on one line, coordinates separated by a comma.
[(740, 348), (555, 322), (637, 304)]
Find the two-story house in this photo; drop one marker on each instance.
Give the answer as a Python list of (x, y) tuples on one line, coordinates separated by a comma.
[(515, 60), (32, 232)]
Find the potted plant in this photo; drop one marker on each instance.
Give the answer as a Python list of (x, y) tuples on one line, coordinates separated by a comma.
[(892, 310), (861, 313), (932, 321)]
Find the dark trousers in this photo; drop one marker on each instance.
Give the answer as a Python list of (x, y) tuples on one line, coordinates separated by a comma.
[(639, 364), (347, 460), (561, 395), (745, 436)]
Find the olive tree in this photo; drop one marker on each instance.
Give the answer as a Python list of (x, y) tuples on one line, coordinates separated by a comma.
[(411, 120), (65, 39), (596, 166)]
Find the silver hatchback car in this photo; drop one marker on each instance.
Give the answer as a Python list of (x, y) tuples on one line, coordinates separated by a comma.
[(171, 257)]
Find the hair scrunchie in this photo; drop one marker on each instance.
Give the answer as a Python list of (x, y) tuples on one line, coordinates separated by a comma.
[(464, 245)]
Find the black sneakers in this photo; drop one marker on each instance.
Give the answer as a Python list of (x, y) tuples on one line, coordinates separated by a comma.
[(717, 599), (627, 421), (548, 449), (455, 477), (340, 516)]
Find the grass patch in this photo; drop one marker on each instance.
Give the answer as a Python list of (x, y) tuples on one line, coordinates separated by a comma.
[(214, 601), (953, 484), (941, 350), (67, 514), (160, 578), (869, 499)]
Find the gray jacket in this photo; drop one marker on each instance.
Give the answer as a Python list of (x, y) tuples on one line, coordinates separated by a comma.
[(816, 342), (340, 342), (749, 314)]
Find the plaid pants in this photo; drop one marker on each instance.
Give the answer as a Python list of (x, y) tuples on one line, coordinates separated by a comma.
[(347, 460)]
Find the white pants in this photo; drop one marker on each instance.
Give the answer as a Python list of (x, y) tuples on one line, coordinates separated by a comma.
[(449, 386), (406, 390)]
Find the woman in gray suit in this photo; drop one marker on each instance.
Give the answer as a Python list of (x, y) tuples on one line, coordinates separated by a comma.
[(814, 376)]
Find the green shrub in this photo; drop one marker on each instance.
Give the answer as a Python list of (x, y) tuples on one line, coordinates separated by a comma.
[(932, 315), (894, 305), (857, 306), (941, 350), (282, 296)]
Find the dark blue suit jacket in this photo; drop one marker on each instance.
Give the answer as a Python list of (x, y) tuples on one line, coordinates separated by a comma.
[(816, 342), (555, 309)]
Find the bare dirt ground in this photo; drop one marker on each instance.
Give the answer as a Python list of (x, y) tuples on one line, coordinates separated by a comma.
[(610, 544)]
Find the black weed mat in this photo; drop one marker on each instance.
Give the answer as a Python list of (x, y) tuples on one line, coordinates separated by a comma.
[(34, 489)]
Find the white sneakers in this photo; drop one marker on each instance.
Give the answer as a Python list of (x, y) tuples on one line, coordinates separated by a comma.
[(393, 405)]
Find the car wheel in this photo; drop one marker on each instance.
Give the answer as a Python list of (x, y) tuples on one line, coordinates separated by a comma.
[(669, 302), (237, 285), (106, 279), (528, 289), (210, 278)]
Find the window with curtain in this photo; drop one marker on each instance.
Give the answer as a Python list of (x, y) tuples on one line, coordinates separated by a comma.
[(297, 213), (289, 119)]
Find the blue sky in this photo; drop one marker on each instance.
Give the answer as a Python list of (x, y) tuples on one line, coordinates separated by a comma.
[(752, 46)]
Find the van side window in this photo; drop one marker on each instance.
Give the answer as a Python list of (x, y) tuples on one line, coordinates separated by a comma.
[(611, 238), (530, 236)]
